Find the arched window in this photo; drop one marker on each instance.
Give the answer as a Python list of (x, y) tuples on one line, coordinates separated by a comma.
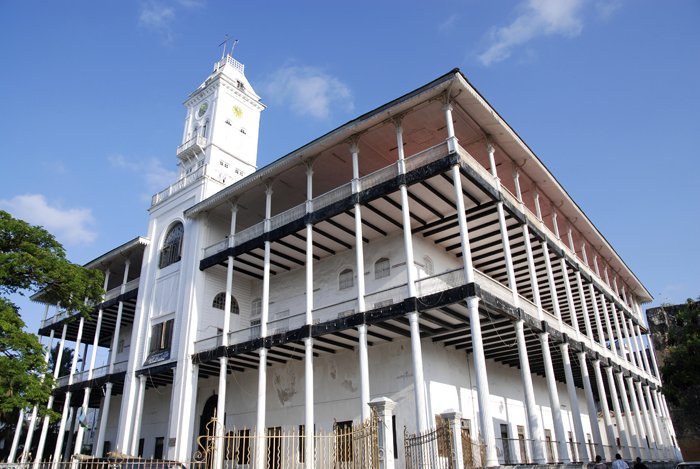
[(171, 251), (204, 128), (345, 279), (382, 268), (429, 267), (256, 308), (220, 303)]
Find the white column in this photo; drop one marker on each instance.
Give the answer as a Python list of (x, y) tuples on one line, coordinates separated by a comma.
[(32, 421), (554, 404), (138, 415), (262, 364), (416, 350), (104, 416), (360, 269), (384, 407), (618, 331), (638, 422), (482, 384), (642, 350), (573, 401), (584, 306), (590, 402), (634, 344), (621, 429), (611, 336), (666, 435), (309, 443), (104, 413), (647, 421), (634, 436), (534, 421), (15, 439), (550, 280), (610, 431), (66, 404), (655, 423), (533, 271), (631, 358), (45, 426), (220, 427), (86, 398), (569, 296), (596, 315), (669, 420)]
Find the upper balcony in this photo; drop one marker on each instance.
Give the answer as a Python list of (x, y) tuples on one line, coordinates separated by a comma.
[(196, 173), (369, 181), (191, 147), (109, 295), (85, 375)]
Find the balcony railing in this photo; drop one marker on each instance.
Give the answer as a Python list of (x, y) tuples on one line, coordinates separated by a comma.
[(193, 145), (179, 185), (98, 372), (324, 200), (115, 292)]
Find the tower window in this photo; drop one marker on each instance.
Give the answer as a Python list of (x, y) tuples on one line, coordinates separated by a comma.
[(171, 251), (345, 279), (220, 303), (382, 268)]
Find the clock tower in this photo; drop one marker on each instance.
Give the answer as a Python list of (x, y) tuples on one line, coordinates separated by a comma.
[(221, 127)]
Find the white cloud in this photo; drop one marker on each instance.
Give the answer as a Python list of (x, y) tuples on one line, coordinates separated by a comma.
[(607, 8), (308, 91), (155, 176), (70, 226), (448, 24), (536, 18), (159, 17)]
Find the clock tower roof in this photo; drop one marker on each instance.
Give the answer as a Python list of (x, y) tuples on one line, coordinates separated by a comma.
[(229, 70)]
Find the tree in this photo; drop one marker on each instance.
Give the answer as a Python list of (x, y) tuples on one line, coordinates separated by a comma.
[(681, 367), (31, 260)]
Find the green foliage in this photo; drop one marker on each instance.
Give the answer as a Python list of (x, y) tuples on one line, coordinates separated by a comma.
[(31, 260), (22, 364), (681, 367)]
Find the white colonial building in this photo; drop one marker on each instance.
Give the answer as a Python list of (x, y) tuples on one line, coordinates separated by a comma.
[(420, 253)]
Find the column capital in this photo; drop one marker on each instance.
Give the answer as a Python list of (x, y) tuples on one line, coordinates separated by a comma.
[(397, 120), (447, 104), (233, 205), (354, 142)]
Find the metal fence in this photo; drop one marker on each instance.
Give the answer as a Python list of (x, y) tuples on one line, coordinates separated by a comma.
[(347, 446), (430, 449)]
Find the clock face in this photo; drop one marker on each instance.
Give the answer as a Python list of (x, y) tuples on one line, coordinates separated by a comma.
[(237, 111), (202, 109)]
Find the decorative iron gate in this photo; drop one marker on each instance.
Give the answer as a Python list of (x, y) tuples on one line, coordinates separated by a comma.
[(431, 449), (345, 447)]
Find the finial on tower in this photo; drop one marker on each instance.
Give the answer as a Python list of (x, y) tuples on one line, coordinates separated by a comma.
[(225, 44)]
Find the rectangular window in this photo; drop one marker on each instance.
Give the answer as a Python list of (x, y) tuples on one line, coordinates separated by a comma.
[(396, 445), (549, 445), (343, 441), (158, 450), (141, 443), (505, 442), (106, 449), (161, 336), (521, 442), (572, 447)]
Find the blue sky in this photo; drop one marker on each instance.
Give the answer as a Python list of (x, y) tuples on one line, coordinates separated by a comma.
[(607, 94)]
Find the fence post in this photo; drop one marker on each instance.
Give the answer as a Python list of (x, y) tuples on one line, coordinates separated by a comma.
[(384, 409), (454, 419)]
